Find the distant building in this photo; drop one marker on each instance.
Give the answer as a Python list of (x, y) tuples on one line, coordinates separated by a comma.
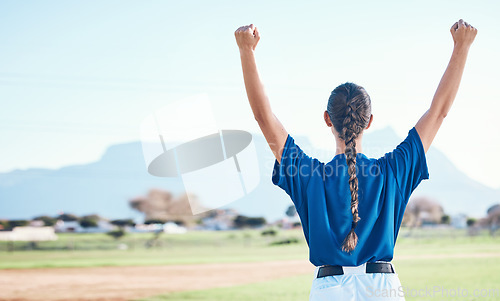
[(171, 227), (287, 222), (29, 234), (68, 226), (147, 228), (74, 226), (459, 221), (218, 219), (168, 227)]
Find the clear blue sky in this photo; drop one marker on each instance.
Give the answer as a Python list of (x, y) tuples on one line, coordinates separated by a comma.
[(78, 76)]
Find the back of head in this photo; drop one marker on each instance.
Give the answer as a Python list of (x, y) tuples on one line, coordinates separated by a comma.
[(349, 109)]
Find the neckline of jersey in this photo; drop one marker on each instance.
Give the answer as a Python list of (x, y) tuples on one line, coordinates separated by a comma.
[(358, 155)]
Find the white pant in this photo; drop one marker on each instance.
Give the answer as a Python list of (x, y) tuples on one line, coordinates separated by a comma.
[(355, 285)]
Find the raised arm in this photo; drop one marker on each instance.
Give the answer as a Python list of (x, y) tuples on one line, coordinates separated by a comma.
[(463, 35), (247, 38)]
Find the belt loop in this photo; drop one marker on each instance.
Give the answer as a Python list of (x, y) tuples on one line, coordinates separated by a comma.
[(360, 269), (316, 272), (389, 262)]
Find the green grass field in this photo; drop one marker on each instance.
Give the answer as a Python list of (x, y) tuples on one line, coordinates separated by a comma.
[(192, 248), (429, 262), (446, 273), (422, 280)]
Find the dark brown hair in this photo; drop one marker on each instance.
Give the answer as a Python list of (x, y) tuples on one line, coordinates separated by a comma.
[(349, 108)]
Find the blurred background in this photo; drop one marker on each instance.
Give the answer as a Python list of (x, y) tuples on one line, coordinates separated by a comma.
[(81, 218)]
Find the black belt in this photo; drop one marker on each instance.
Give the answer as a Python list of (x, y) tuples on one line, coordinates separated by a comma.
[(371, 267)]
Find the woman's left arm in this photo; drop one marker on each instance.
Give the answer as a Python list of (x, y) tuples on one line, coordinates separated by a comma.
[(247, 38)]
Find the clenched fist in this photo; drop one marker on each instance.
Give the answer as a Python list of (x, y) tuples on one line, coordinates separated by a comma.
[(463, 33), (247, 37)]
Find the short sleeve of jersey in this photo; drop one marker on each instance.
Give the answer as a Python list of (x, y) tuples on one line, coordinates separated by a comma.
[(292, 174), (408, 163)]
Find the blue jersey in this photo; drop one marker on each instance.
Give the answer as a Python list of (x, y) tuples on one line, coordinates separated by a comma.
[(320, 192)]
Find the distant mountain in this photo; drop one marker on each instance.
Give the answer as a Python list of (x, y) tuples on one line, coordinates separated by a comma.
[(104, 187)]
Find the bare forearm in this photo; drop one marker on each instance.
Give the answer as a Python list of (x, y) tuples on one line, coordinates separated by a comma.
[(254, 87), (448, 86), (247, 38), (428, 125)]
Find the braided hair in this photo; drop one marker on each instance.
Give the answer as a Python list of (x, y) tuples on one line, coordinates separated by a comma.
[(349, 109)]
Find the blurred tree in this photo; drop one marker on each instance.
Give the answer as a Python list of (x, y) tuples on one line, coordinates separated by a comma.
[(472, 226), (291, 211), (47, 220), (242, 221), (471, 221), (92, 217), (285, 241), (154, 221), (422, 210), (88, 222), (161, 205), (67, 217), (123, 222), (16, 223), (270, 232), (445, 219), (116, 234), (492, 219), (4, 224)]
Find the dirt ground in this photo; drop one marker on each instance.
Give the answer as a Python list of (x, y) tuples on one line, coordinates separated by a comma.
[(126, 283)]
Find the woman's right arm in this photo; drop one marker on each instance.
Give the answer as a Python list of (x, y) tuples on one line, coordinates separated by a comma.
[(463, 35), (247, 38)]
